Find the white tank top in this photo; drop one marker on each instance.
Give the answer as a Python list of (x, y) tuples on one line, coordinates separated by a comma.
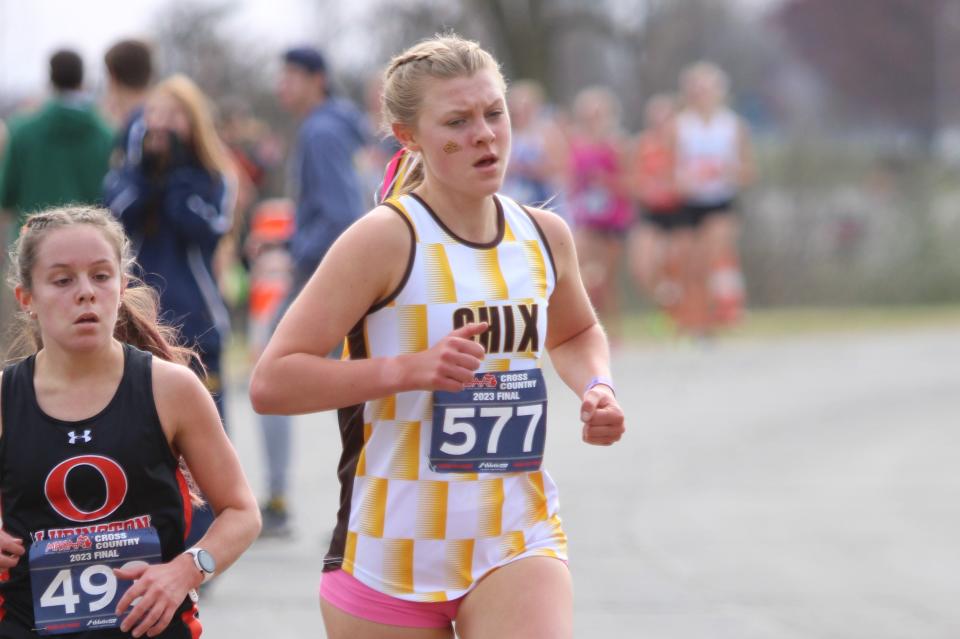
[(708, 156), (411, 532)]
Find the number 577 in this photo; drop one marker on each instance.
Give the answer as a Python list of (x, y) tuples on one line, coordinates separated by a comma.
[(502, 414)]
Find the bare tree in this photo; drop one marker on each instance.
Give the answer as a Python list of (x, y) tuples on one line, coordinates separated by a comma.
[(879, 56), (190, 39)]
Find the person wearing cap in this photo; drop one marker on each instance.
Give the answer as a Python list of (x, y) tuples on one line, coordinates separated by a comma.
[(326, 189), (323, 180)]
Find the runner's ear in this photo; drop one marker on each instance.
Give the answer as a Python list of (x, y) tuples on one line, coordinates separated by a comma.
[(405, 136)]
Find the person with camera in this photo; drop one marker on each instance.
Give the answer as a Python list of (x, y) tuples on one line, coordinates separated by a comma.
[(176, 202)]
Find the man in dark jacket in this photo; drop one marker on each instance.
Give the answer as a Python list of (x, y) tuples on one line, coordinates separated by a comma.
[(325, 185), (322, 173), (129, 65)]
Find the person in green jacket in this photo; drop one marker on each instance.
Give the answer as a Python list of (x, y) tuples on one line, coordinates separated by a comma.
[(58, 154)]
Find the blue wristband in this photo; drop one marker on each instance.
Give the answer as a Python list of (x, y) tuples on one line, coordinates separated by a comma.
[(600, 379)]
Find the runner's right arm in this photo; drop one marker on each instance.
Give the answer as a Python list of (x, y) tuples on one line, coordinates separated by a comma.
[(365, 265), (11, 548)]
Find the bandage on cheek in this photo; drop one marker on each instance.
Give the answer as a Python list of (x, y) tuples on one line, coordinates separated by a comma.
[(451, 147)]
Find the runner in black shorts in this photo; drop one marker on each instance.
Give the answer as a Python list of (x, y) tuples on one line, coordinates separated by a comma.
[(714, 164), (660, 244)]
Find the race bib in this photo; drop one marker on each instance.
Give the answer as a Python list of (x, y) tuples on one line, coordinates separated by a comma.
[(74, 588), (497, 424)]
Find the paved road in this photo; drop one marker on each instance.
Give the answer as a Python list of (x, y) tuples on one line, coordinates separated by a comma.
[(792, 489)]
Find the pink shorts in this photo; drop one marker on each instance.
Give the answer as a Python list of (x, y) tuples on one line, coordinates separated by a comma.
[(349, 594)]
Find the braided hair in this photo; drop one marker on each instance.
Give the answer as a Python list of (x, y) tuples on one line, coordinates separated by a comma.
[(443, 56)]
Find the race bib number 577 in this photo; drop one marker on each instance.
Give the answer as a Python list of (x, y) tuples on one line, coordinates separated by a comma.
[(74, 588), (497, 424)]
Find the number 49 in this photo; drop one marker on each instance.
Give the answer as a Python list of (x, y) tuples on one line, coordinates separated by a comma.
[(502, 413), (69, 600)]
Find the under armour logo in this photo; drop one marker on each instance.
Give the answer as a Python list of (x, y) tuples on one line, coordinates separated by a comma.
[(85, 437)]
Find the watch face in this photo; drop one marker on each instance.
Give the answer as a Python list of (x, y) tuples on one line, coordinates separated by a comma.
[(206, 561)]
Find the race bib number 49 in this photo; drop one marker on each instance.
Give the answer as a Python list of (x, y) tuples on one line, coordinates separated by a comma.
[(74, 588), (497, 424)]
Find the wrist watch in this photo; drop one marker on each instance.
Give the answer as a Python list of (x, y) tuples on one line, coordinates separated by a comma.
[(204, 562)]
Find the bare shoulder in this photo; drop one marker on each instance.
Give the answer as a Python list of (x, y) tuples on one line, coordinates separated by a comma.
[(382, 229), (181, 399), (383, 233), (558, 235), (553, 226), (176, 388)]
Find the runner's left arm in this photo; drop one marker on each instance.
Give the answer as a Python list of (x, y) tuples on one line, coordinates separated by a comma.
[(575, 340), (192, 426)]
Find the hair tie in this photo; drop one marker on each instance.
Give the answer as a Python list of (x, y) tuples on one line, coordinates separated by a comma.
[(395, 175)]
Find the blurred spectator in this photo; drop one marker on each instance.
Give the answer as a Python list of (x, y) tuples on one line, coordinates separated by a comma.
[(598, 198), (326, 189), (539, 152), (255, 149), (714, 163), (58, 154), (7, 302), (377, 153), (175, 197), (323, 178), (256, 153), (659, 246), (271, 226), (129, 70)]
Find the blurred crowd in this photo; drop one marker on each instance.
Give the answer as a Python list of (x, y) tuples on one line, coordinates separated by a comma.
[(230, 218)]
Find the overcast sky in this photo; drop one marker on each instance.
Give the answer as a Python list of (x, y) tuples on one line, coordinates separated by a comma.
[(30, 30)]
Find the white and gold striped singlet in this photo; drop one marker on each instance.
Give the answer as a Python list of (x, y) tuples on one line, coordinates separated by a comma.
[(403, 529)]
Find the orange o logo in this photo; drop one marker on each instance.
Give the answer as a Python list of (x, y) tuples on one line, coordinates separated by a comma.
[(113, 476)]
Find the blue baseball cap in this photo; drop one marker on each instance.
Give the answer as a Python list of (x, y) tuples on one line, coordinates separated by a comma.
[(307, 58)]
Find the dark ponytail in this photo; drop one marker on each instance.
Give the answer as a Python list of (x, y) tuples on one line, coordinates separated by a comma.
[(138, 326)]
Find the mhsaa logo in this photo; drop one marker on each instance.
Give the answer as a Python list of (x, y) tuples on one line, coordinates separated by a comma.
[(82, 543), (489, 380), (492, 465)]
